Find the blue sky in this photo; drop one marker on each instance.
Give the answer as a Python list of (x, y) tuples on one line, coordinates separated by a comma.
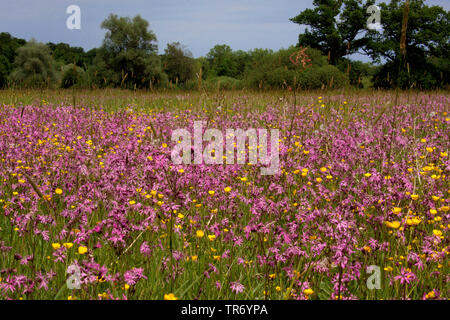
[(198, 24)]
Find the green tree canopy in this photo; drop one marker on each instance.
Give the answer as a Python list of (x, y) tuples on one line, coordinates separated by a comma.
[(34, 66), (221, 61), (178, 63), (336, 27), (275, 70), (72, 76), (128, 56), (66, 54), (427, 45), (8, 48)]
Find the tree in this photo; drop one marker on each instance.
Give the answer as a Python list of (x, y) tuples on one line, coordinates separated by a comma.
[(128, 56), (336, 27), (8, 47), (221, 61), (34, 66), (275, 70), (242, 61), (66, 54), (427, 45), (72, 76), (5, 67), (358, 71), (178, 63)]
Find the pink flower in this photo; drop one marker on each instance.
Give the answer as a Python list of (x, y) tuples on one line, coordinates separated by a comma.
[(237, 287)]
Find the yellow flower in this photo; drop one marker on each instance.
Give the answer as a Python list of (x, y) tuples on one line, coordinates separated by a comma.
[(308, 291), (211, 237), (393, 224), (388, 269), (194, 258), (272, 276), (164, 145), (396, 210), (217, 258), (82, 250), (21, 181), (211, 192), (181, 171), (126, 286), (71, 298), (414, 196), (132, 202), (319, 180), (200, 234), (323, 169), (227, 189), (437, 233), (433, 211), (68, 245), (103, 295), (56, 246), (413, 222), (58, 191), (243, 179), (430, 295), (367, 175), (429, 149), (170, 296)]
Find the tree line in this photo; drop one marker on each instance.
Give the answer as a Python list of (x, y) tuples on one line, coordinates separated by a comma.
[(335, 29)]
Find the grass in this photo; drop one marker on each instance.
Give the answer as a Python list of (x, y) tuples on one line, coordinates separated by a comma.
[(277, 236)]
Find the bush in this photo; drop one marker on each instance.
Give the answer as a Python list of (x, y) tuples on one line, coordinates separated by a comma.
[(222, 83), (34, 66), (276, 70), (73, 76)]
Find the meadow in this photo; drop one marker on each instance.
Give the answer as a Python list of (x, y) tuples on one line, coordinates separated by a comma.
[(87, 184)]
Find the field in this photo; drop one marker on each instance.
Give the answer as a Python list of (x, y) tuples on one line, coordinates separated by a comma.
[(92, 206)]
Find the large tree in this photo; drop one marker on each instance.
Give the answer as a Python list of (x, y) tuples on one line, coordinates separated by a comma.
[(128, 56), (427, 61), (178, 63), (34, 66), (335, 27), (66, 54), (222, 61), (8, 52)]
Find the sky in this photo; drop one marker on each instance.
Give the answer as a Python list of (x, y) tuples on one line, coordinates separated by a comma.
[(197, 24)]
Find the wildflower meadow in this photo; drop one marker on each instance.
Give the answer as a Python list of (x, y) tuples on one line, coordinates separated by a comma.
[(93, 207)]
